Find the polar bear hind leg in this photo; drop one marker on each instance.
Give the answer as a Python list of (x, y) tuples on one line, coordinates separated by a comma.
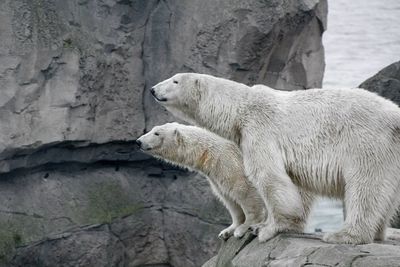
[(369, 207), (380, 234)]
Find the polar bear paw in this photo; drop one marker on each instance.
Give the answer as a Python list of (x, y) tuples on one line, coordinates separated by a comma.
[(343, 237), (241, 230), (226, 233), (255, 228), (266, 233)]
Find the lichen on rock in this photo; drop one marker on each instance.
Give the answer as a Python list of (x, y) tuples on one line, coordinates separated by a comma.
[(107, 201)]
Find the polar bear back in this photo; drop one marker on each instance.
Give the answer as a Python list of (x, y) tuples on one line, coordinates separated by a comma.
[(322, 133)]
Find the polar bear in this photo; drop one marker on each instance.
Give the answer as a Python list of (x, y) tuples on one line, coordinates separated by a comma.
[(340, 143), (219, 160)]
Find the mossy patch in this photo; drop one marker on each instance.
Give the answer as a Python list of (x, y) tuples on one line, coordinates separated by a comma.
[(68, 44), (108, 201), (10, 237)]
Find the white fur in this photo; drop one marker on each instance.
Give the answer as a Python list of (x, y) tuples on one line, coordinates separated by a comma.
[(217, 159), (341, 143)]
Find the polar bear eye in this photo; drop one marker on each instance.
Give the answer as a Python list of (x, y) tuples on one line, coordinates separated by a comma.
[(156, 134), (176, 82)]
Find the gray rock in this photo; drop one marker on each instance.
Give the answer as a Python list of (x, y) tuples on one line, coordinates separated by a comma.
[(75, 78), (303, 250), (80, 70), (72, 214), (385, 83), (94, 246)]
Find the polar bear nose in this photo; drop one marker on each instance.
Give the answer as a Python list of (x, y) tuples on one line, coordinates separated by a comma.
[(152, 91), (138, 142)]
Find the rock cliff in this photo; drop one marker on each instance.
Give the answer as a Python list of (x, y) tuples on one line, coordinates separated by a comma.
[(74, 79)]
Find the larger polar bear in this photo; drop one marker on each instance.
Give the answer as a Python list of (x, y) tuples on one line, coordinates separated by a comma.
[(219, 160), (341, 143)]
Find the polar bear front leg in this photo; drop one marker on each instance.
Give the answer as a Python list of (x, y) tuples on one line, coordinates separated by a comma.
[(380, 234), (237, 216), (236, 212), (252, 218), (286, 211), (254, 211)]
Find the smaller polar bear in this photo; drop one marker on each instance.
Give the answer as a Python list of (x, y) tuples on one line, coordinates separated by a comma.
[(217, 159)]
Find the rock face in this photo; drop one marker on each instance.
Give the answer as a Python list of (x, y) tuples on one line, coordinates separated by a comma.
[(303, 250), (387, 84), (107, 214), (74, 79)]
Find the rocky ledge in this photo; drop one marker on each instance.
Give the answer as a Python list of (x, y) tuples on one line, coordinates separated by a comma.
[(306, 250)]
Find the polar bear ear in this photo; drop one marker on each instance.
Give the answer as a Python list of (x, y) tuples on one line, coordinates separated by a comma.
[(176, 132), (197, 84), (178, 135), (198, 88)]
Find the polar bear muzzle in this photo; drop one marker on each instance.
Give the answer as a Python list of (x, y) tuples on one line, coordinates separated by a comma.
[(143, 145), (154, 94)]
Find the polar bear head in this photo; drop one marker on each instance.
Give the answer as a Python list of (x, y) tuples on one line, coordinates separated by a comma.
[(161, 140), (204, 100), (181, 94), (178, 90)]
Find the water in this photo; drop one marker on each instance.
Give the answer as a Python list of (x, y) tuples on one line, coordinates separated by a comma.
[(362, 38)]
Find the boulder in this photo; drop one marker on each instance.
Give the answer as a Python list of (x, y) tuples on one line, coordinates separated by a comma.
[(385, 83)]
